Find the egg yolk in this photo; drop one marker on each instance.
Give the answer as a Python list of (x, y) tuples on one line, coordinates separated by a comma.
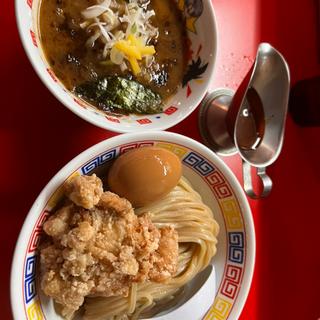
[(144, 175)]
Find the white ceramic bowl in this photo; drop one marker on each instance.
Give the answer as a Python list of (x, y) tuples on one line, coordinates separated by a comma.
[(234, 261), (203, 36)]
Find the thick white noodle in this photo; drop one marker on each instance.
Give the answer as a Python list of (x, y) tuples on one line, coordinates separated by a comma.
[(197, 230)]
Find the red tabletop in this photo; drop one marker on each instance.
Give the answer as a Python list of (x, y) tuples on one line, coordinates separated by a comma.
[(38, 136)]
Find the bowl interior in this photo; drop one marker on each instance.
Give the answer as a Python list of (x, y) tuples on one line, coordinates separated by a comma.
[(201, 58), (208, 175)]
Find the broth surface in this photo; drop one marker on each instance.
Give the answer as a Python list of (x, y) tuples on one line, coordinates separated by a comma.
[(63, 42)]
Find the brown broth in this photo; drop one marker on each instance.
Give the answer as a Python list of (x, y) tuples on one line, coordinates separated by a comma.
[(63, 42)]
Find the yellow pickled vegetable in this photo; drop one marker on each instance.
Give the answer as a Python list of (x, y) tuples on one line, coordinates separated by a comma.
[(128, 50), (147, 51), (133, 50), (134, 66), (135, 41)]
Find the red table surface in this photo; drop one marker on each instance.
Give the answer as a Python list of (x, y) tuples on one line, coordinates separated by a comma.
[(38, 136)]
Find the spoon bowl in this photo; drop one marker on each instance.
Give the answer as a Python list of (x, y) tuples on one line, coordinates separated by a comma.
[(199, 292), (259, 139)]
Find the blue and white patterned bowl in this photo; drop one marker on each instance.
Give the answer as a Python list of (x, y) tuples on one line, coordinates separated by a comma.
[(202, 33), (234, 261)]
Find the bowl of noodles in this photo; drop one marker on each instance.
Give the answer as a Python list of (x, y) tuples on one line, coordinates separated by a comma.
[(126, 227), (122, 65)]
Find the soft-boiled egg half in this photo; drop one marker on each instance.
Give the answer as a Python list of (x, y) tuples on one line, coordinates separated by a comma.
[(144, 175)]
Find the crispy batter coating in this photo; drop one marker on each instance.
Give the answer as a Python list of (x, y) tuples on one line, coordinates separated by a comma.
[(102, 250), (84, 191)]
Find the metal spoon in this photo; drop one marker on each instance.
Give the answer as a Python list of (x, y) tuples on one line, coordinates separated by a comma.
[(252, 120), (197, 298)]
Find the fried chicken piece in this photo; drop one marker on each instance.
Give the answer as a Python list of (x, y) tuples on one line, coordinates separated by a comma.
[(165, 259), (101, 251), (58, 224), (112, 201), (127, 263), (70, 293), (84, 191)]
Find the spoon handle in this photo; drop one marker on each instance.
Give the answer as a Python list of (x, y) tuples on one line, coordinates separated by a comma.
[(265, 180)]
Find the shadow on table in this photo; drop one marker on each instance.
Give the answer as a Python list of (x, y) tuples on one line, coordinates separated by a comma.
[(38, 136), (288, 260)]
